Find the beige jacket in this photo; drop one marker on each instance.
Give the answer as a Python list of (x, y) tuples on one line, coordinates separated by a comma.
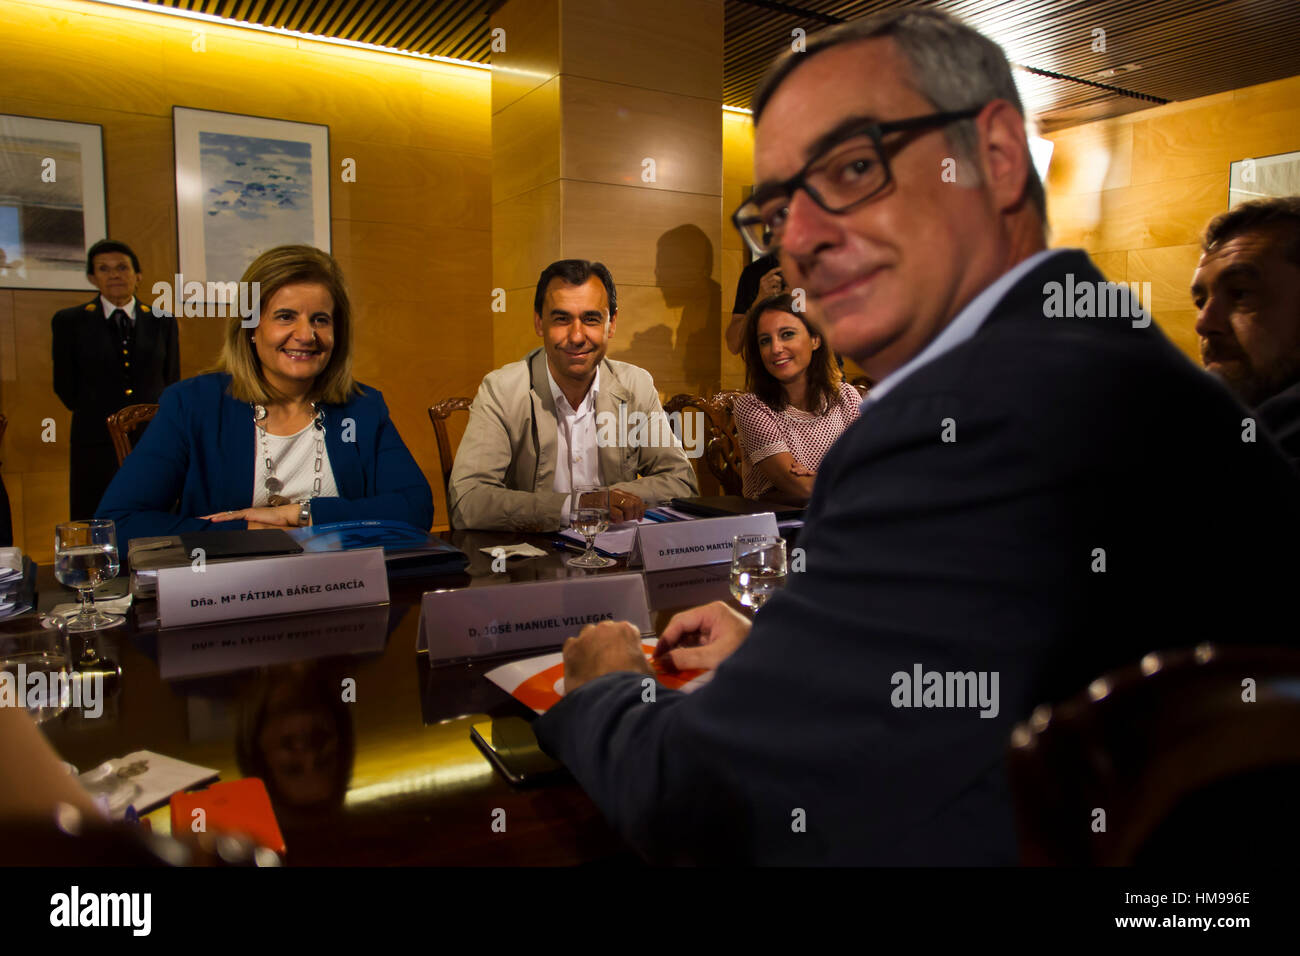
[(504, 475)]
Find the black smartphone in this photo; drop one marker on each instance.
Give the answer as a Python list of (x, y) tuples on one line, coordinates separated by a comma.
[(511, 745)]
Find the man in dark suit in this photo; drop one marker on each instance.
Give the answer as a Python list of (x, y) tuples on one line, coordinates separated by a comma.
[(108, 353), (1247, 294), (1019, 508)]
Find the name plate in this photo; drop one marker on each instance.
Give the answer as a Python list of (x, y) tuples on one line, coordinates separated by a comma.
[(485, 621), (686, 544), (260, 587)]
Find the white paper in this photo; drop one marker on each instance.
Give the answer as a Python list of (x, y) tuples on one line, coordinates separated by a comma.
[(158, 777)]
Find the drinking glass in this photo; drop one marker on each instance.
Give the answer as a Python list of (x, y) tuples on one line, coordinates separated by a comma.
[(35, 660), (589, 516), (758, 568), (85, 556)]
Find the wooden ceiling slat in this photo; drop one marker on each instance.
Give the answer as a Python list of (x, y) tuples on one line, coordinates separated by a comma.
[(395, 23), (1186, 48)]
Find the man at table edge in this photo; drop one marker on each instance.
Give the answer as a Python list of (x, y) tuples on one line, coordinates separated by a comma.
[(930, 285), (538, 426)]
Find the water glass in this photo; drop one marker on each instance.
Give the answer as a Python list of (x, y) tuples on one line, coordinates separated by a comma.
[(85, 556), (589, 516), (758, 568)]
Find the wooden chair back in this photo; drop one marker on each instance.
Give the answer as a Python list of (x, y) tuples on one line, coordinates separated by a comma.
[(722, 451), (125, 426), (1175, 759), (439, 412)]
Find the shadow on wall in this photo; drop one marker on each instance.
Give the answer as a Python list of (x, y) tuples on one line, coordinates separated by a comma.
[(685, 358)]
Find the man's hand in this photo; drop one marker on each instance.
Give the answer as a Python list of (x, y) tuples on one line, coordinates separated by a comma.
[(703, 637), (799, 471), (282, 516), (772, 283), (602, 649), (624, 506)]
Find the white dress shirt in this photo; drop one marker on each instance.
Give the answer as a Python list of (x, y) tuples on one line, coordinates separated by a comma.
[(110, 308), (577, 461)]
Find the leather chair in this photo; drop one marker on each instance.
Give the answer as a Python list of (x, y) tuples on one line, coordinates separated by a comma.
[(125, 426)]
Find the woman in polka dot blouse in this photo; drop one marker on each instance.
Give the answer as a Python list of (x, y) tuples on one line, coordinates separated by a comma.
[(796, 403)]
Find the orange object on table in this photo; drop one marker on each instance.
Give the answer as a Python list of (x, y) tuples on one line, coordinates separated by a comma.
[(238, 807)]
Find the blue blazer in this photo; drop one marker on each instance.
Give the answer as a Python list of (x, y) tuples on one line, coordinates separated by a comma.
[(199, 449)]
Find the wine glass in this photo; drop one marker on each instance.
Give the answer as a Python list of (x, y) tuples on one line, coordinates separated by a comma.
[(85, 556), (758, 568), (589, 516)]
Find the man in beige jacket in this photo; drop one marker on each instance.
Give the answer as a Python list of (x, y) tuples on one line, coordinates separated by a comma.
[(566, 416)]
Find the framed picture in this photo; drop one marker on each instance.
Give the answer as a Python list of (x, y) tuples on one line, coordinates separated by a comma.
[(1265, 176), (243, 185), (51, 201)]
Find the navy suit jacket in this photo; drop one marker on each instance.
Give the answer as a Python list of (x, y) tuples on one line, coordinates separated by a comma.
[(199, 450), (1077, 442), (88, 374)]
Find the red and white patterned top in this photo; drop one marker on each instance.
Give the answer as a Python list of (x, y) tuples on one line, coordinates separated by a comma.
[(807, 437)]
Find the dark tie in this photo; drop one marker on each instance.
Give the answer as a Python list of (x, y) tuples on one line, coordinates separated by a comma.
[(123, 324)]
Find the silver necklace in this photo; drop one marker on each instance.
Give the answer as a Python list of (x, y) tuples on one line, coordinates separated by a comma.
[(272, 484)]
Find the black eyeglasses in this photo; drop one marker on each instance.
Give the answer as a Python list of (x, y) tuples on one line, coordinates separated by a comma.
[(848, 172)]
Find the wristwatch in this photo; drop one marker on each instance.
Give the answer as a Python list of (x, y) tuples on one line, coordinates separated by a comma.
[(304, 512)]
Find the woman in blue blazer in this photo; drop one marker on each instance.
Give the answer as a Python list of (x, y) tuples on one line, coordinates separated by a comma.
[(278, 434)]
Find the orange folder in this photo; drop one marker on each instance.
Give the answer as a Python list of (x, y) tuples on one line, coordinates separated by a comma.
[(239, 807)]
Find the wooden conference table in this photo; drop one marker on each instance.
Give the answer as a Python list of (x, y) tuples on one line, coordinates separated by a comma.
[(411, 788)]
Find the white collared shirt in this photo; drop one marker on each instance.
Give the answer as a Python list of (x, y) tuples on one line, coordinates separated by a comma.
[(110, 308), (963, 327), (577, 461)]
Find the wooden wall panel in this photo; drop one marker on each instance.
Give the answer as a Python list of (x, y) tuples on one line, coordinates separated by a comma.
[(526, 142), (526, 236), (412, 233), (532, 49), (1142, 187), (1151, 215), (8, 345), (44, 504), (737, 181), (611, 128), (645, 236), (676, 49), (513, 335), (674, 340)]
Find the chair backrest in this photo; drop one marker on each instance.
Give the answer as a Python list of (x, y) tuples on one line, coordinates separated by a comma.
[(1188, 755), (124, 424), (722, 453), (439, 412)]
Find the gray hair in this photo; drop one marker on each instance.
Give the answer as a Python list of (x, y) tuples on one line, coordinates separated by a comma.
[(954, 66)]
